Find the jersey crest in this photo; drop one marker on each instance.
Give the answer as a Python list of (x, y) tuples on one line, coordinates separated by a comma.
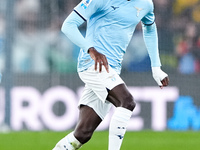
[(138, 10), (85, 3)]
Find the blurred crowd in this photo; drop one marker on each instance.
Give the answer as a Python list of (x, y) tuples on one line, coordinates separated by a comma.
[(40, 47), (186, 23)]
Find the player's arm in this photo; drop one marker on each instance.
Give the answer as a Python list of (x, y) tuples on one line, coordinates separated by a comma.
[(151, 40), (82, 13), (70, 29)]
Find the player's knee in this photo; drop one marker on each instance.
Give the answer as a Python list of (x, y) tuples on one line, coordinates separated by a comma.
[(83, 135), (129, 102)]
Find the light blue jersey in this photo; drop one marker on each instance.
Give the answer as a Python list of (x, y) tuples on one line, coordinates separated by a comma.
[(110, 26)]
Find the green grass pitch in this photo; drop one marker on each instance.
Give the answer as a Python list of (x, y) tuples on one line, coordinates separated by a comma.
[(142, 140)]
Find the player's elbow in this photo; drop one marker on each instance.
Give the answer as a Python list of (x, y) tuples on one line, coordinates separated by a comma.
[(62, 28), (65, 27), (71, 23)]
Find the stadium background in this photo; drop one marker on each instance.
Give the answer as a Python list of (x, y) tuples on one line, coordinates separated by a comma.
[(40, 86)]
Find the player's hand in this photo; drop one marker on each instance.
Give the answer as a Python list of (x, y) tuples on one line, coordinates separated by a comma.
[(160, 77), (98, 58)]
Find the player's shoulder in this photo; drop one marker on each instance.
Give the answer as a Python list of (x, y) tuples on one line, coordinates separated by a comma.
[(93, 3), (149, 4), (149, 1)]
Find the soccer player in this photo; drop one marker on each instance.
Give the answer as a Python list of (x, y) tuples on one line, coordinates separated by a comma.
[(110, 25)]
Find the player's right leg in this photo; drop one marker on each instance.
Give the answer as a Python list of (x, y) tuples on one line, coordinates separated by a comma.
[(69, 142), (87, 123)]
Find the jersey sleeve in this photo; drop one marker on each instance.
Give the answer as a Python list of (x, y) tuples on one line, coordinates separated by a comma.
[(149, 19), (71, 30), (86, 8), (151, 41), (151, 36), (82, 12)]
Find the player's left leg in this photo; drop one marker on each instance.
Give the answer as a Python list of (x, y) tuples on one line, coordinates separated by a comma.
[(123, 100)]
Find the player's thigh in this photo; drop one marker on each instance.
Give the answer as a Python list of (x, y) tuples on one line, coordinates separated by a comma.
[(120, 96)]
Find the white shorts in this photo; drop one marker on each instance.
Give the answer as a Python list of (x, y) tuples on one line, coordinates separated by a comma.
[(96, 89)]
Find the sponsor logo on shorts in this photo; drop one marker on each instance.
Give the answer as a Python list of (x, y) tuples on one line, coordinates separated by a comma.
[(112, 78), (85, 3)]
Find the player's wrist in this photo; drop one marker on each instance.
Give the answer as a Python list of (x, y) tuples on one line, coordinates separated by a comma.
[(90, 49), (155, 69), (157, 72)]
